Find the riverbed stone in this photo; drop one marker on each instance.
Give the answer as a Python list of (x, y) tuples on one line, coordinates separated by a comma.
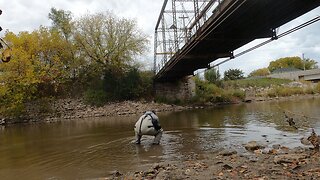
[(228, 152), (276, 146), (253, 145), (289, 158)]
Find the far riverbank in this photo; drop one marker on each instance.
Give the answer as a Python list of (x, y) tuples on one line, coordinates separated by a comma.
[(67, 109)]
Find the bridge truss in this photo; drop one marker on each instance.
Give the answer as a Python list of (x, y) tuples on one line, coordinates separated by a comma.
[(179, 20)]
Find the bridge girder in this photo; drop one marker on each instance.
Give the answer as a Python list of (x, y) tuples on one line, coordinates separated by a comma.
[(216, 29)]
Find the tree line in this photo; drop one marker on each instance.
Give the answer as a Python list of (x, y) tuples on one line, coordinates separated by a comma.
[(213, 75), (93, 56)]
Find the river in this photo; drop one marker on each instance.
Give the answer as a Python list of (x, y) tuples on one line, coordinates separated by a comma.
[(93, 148)]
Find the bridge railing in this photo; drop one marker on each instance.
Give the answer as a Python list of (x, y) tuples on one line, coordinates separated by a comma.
[(178, 22)]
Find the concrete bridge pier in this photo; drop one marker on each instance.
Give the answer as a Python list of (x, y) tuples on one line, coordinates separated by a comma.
[(182, 89)]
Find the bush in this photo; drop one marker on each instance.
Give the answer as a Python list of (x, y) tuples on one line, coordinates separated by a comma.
[(213, 76), (233, 74), (129, 85), (95, 97), (310, 90), (285, 91), (318, 87), (208, 92), (239, 94)]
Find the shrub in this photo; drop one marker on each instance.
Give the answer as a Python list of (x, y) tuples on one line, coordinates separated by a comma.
[(233, 74), (310, 90), (285, 91), (95, 97), (213, 76), (239, 94), (317, 88), (129, 85)]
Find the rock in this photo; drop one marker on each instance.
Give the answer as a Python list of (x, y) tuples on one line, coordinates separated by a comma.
[(162, 175), (273, 151), (228, 152), (2, 121), (276, 146), (289, 158), (258, 151), (305, 141), (115, 173), (227, 167), (298, 150), (253, 159), (157, 167), (253, 145)]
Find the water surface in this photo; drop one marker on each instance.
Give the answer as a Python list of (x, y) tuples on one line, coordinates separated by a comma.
[(92, 148)]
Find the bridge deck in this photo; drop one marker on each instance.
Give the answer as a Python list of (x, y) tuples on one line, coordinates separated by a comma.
[(237, 23)]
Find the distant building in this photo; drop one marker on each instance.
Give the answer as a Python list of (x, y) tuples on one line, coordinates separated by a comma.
[(285, 70), (294, 74)]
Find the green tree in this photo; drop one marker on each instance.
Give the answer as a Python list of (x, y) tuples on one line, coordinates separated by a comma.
[(130, 85), (108, 42), (213, 76), (292, 62), (63, 23), (310, 64), (260, 72), (233, 74)]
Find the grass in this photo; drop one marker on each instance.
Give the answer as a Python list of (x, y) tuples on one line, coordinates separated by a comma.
[(234, 90), (208, 92), (261, 82), (317, 88), (285, 91)]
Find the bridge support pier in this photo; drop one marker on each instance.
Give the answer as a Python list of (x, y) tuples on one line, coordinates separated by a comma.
[(179, 90)]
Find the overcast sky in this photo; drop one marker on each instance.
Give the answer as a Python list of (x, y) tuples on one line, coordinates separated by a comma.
[(23, 15)]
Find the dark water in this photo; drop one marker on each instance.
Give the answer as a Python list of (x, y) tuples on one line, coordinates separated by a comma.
[(89, 149)]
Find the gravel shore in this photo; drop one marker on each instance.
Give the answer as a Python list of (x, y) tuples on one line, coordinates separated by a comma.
[(261, 164)]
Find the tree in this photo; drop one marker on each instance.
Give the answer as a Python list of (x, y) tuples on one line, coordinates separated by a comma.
[(107, 42), (233, 74), (309, 64), (36, 68), (62, 21), (213, 76), (292, 62), (260, 72)]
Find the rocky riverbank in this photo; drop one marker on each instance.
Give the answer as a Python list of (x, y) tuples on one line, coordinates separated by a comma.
[(258, 163), (66, 109)]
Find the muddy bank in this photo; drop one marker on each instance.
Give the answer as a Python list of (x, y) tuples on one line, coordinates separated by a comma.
[(275, 163)]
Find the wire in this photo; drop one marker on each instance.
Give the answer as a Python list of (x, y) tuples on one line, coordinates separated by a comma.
[(316, 19)]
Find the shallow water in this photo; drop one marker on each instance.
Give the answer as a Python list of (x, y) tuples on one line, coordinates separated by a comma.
[(92, 148)]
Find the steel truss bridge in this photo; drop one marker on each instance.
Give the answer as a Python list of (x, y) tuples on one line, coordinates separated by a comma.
[(190, 34)]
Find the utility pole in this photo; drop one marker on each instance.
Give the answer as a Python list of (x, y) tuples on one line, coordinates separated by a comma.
[(304, 62)]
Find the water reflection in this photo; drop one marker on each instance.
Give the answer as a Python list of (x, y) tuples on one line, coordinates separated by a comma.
[(92, 148)]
